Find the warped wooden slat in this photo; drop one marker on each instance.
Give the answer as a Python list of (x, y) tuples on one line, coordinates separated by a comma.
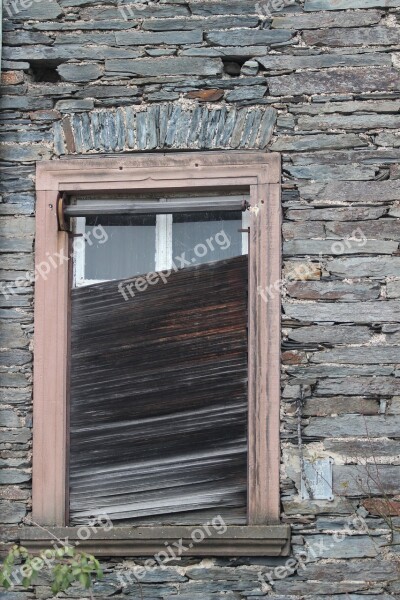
[(158, 407)]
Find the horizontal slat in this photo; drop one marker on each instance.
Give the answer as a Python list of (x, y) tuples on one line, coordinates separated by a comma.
[(159, 397)]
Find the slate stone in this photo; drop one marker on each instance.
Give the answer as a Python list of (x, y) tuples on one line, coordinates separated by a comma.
[(362, 106), (352, 122), (224, 22), (370, 191), (311, 5), (241, 37), (319, 172), (393, 289), (335, 81), (364, 386), (74, 106), (8, 418), (332, 334), (246, 93), (64, 52), (375, 312), (333, 290), (358, 448), (322, 61), (19, 153), (324, 587), (267, 127), (326, 546), (86, 38), (11, 512), (339, 213), (321, 407), (233, 52), (39, 11), (170, 66), (24, 103), (353, 426), (250, 67), (360, 36), (379, 229), (17, 66), (311, 373), (298, 143), (387, 139), (79, 73), (363, 356), (378, 479), (13, 476), (141, 38), (316, 20), (376, 267), (108, 91), (232, 7), (127, 11), (338, 247), (22, 38), (82, 25)]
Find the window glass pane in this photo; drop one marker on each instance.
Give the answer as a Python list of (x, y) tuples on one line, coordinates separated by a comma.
[(128, 251), (208, 236)]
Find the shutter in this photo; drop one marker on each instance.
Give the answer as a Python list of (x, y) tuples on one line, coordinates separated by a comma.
[(158, 398)]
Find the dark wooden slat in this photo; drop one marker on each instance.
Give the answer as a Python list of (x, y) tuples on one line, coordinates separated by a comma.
[(159, 398)]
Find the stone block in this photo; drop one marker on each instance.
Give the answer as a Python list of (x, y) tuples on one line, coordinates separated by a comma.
[(298, 143), (142, 38), (79, 73), (300, 21), (335, 81), (378, 312), (170, 66), (333, 290), (252, 37), (370, 191), (360, 36), (11, 512), (276, 62), (311, 5)]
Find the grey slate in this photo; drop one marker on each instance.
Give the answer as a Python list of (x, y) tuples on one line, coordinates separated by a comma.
[(370, 191), (316, 142), (170, 66), (80, 73), (378, 312), (351, 122), (242, 37), (348, 19), (246, 93), (225, 22), (311, 5), (275, 62), (335, 81), (141, 38), (360, 36)]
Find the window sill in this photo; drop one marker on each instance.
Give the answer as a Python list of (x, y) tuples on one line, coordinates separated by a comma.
[(256, 540)]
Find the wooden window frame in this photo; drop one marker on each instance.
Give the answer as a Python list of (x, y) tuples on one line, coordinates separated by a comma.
[(258, 172)]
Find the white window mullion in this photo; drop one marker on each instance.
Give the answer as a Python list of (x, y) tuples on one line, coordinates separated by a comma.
[(79, 252), (163, 242), (245, 235)]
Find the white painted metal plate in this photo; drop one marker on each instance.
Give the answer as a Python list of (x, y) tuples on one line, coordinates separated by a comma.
[(316, 480)]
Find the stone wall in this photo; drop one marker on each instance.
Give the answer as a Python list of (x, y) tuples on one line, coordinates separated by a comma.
[(318, 82)]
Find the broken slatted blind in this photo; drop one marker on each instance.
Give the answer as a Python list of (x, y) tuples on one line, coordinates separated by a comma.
[(159, 398)]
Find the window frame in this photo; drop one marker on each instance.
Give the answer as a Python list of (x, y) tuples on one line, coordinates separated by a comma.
[(163, 246), (256, 171)]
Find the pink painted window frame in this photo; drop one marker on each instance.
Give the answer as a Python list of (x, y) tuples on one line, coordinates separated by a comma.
[(256, 171)]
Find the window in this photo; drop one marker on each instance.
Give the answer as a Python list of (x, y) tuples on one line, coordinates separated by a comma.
[(174, 293)]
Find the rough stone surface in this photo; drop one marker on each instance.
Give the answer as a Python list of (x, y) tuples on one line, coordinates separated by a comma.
[(317, 81), (336, 81)]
